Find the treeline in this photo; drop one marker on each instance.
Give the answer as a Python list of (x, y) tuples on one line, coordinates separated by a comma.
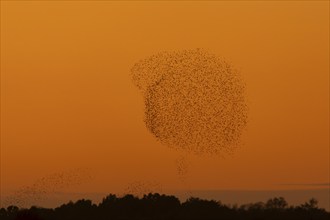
[(158, 207)]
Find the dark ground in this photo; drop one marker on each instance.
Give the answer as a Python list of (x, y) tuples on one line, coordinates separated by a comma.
[(156, 206)]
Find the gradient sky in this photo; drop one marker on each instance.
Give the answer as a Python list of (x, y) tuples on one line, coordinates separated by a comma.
[(67, 100)]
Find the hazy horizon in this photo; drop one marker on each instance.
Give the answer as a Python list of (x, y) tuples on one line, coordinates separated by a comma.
[(228, 197)]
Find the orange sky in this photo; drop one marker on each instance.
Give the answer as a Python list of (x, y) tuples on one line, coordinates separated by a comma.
[(67, 100)]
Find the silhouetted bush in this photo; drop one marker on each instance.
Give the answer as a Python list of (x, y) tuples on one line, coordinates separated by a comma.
[(156, 206)]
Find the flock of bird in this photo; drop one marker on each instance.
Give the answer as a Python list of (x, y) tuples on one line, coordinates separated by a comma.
[(46, 186), (194, 101)]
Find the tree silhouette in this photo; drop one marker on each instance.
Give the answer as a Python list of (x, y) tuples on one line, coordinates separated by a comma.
[(156, 206), (276, 203)]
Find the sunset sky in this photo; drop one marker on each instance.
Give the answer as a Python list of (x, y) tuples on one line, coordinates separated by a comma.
[(68, 102)]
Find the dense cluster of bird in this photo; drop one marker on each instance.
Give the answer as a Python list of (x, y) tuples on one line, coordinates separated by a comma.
[(194, 101), (45, 186)]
